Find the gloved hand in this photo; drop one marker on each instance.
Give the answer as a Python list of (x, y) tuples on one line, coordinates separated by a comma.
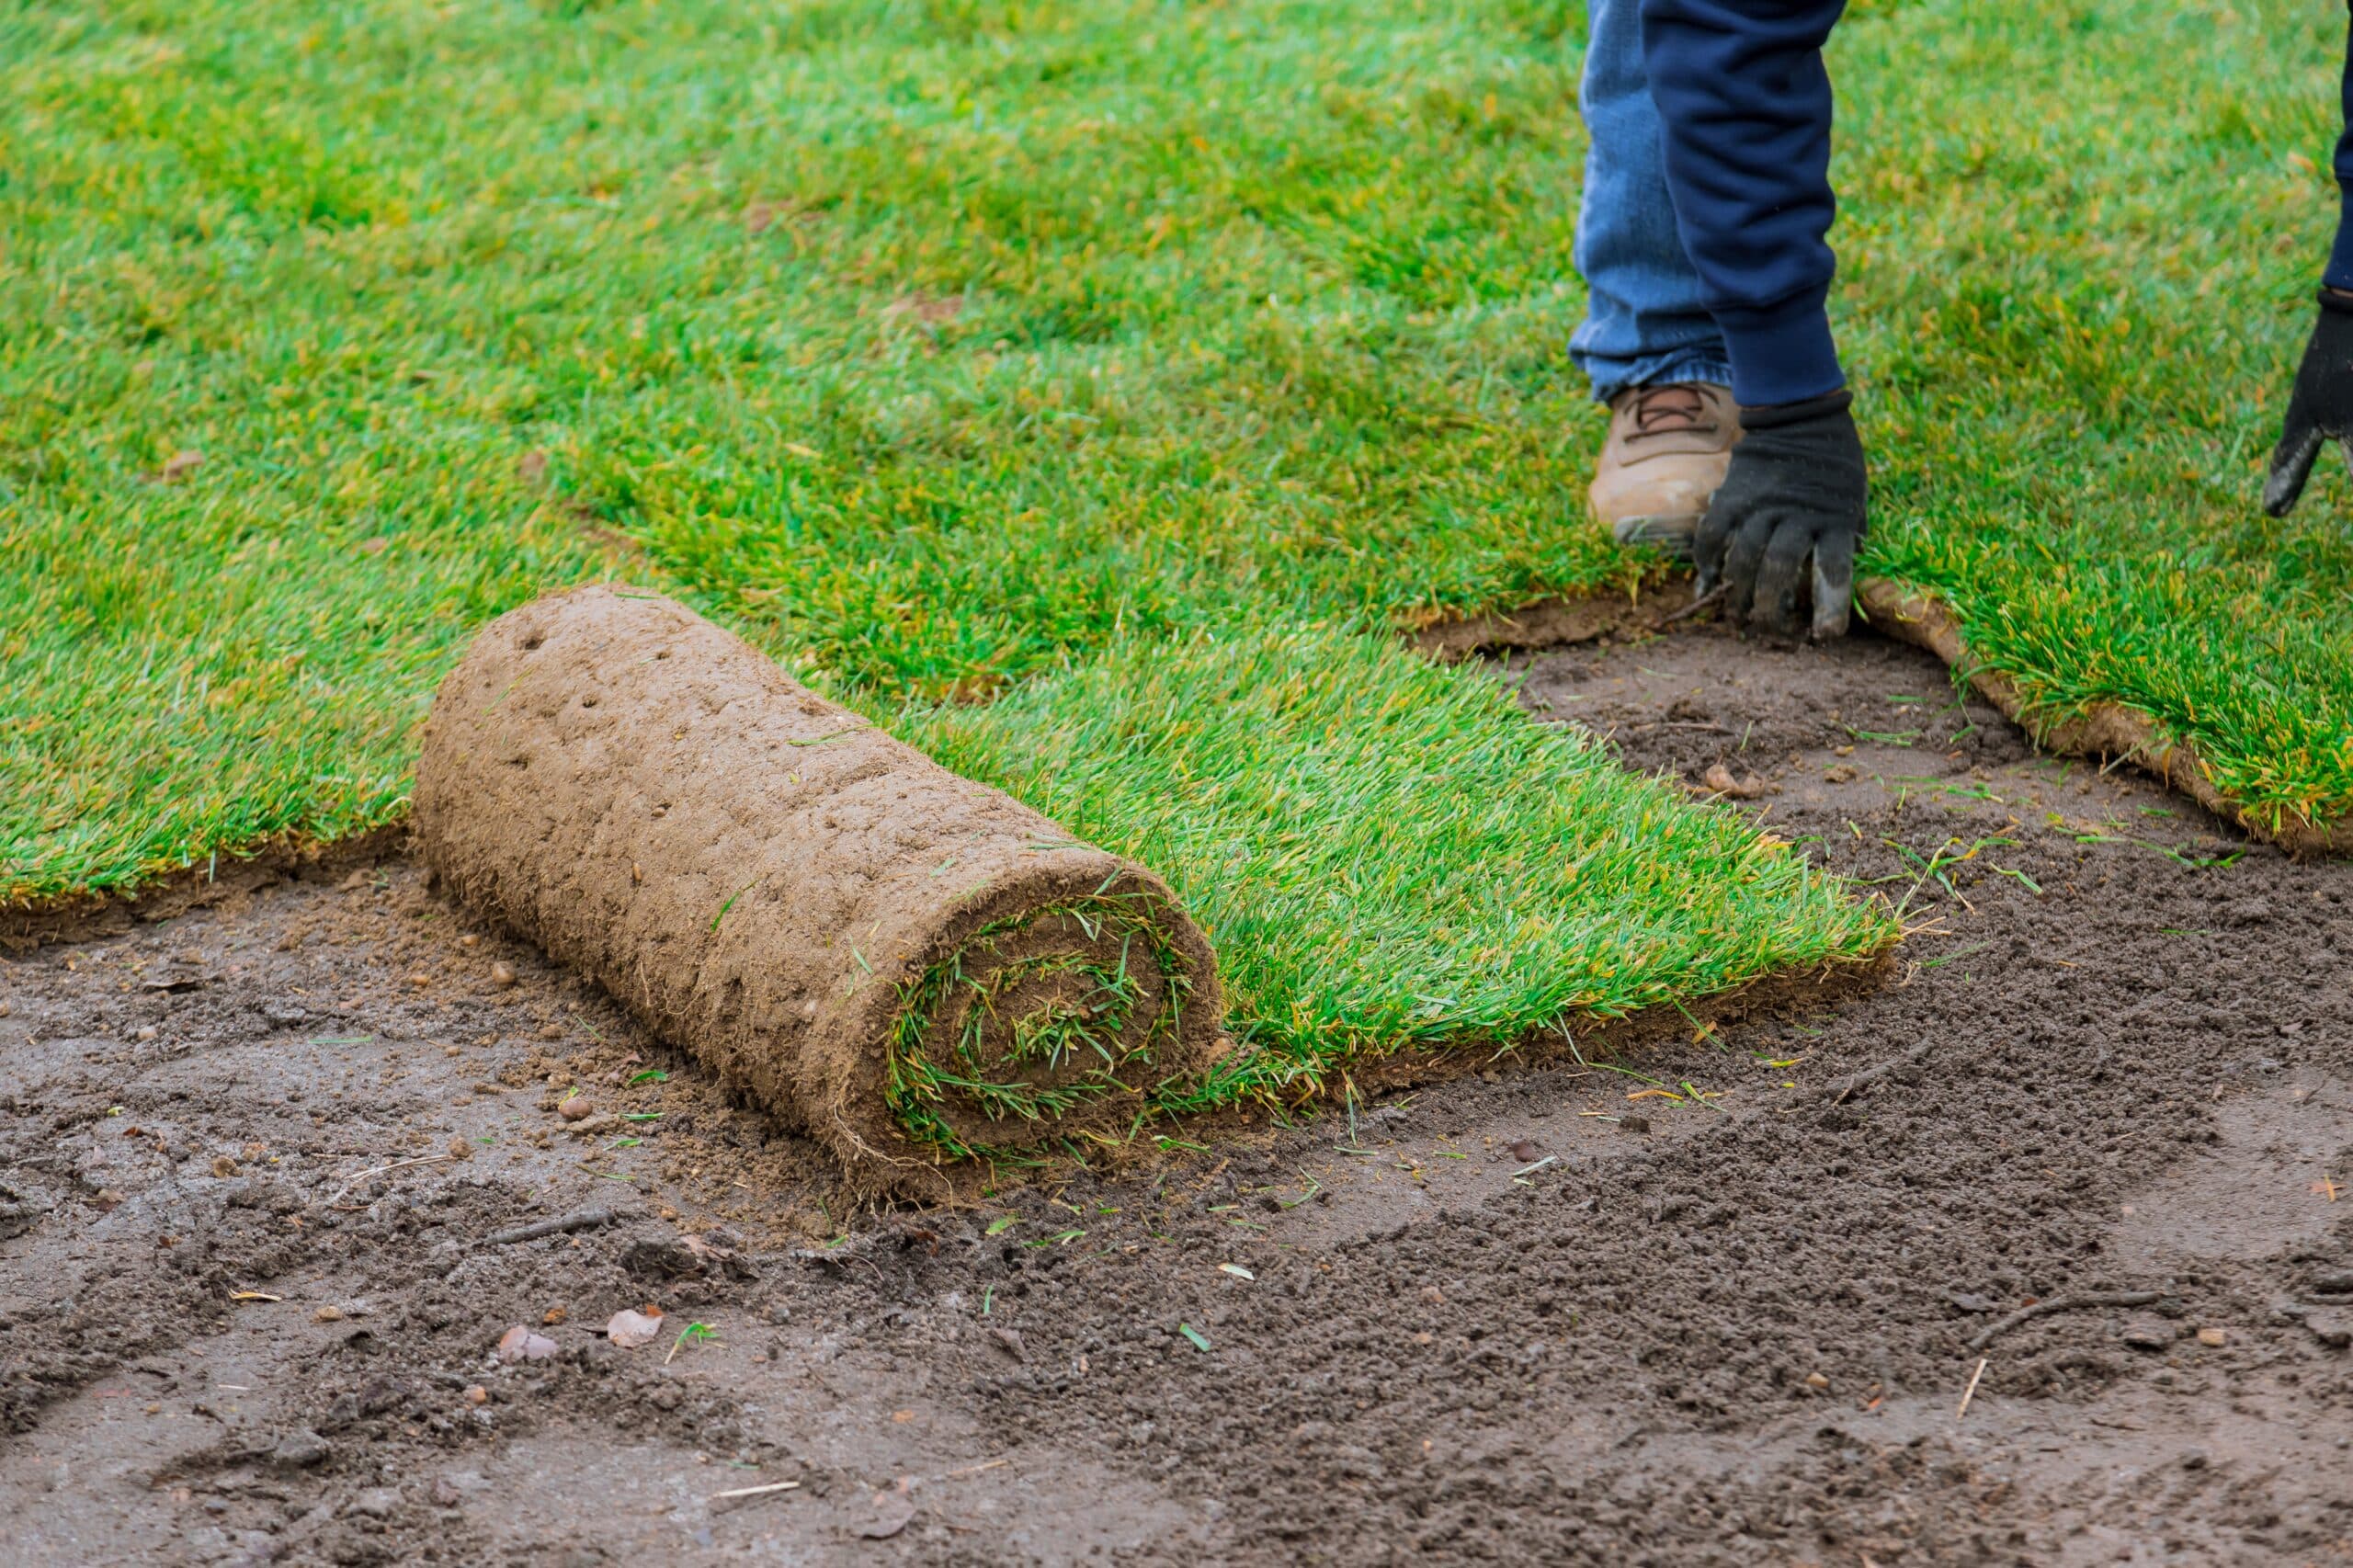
[(1795, 491), (2320, 409)]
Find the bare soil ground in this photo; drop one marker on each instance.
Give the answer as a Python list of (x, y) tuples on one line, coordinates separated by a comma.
[(257, 1160)]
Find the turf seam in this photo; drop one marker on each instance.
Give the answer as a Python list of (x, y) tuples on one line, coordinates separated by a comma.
[(2105, 731)]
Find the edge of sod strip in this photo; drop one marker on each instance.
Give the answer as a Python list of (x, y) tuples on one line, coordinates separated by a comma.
[(2099, 729), (1389, 855)]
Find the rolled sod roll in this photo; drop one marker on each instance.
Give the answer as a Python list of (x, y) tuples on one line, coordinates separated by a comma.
[(914, 967)]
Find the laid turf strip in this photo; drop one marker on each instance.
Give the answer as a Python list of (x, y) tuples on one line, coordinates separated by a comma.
[(1390, 855), (913, 966)]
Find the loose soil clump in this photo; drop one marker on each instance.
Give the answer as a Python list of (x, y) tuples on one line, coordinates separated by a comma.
[(911, 966), (283, 1173)]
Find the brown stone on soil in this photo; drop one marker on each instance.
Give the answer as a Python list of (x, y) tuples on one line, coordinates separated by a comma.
[(764, 878)]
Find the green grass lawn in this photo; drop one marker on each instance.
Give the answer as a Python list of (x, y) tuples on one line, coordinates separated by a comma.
[(1061, 353)]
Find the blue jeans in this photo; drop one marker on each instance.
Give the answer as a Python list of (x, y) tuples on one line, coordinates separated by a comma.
[(1644, 320)]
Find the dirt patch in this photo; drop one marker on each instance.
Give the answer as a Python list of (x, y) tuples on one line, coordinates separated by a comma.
[(910, 965), (1558, 622), (86, 917), (2106, 729), (1710, 1301)]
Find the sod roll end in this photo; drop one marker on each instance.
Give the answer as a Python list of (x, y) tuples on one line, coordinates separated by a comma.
[(913, 966)]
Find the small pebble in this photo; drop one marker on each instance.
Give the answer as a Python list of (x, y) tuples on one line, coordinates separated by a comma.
[(149, 1032), (2213, 1336), (502, 973), (468, 939), (577, 1108), (554, 1315), (477, 1394), (327, 1315), (223, 1166), (519, 1344), (2148, 1336), (301, 1450), (1816, 1381), (420, 980)]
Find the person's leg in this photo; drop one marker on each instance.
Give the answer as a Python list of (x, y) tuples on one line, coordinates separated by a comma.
[(1650, 346), (1645, 324)]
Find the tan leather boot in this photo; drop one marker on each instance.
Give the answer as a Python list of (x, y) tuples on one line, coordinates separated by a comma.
[(1668, 450)]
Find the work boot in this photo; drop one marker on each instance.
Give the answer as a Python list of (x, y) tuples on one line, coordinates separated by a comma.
[(1667, 451)]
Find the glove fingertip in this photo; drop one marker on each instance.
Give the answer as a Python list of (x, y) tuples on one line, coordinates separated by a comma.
[(2282, 489), (2291, 466)]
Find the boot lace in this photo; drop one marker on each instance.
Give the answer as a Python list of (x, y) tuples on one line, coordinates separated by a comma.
[(1669, 411)]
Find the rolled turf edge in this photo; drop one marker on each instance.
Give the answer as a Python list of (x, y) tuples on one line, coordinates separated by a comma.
[(914, 967)]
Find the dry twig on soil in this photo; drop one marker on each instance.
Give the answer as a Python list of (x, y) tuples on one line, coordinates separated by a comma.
[(385, 1170), (578, 1219), (743, 1492), (1971, 1392), (2063, 1304), (1853, 1081)]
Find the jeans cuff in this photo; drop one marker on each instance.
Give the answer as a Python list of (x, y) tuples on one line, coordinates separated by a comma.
[(1674, 368)]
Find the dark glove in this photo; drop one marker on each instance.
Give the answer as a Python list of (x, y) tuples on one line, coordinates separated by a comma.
[(2320, 409), (1795, 491)]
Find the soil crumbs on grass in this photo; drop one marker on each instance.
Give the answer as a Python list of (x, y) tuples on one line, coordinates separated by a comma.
[(1717, 1303)]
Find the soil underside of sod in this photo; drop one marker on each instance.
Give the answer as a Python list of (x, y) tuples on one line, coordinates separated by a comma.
[(2118, 1061)]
